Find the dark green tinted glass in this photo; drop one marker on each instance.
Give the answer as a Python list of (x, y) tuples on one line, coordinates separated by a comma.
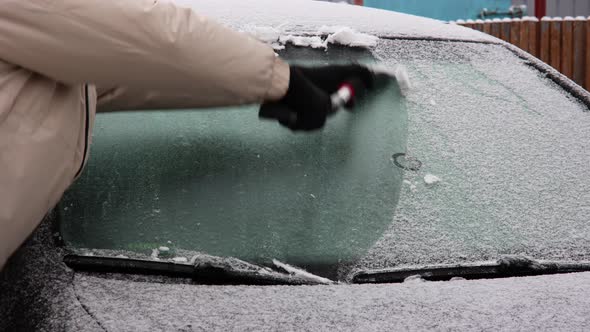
[(223, 182)]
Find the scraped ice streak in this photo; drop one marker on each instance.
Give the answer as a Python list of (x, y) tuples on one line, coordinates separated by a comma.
[(297, 271), (155, 254), (399, 72), (337, 35)]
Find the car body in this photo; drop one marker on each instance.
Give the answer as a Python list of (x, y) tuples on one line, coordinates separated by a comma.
[(495, 150)]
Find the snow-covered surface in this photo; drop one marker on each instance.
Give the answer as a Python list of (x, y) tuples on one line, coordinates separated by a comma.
[(60, 300), (323, 37), (304, 16), (36, 289), (512, 149), (305, 41), (180, 259), (349, 37), (414, 278), (154, 255), (558, 302), (431, 179)]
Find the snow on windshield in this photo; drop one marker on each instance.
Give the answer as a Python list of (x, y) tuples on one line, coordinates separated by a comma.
[(504, 158)]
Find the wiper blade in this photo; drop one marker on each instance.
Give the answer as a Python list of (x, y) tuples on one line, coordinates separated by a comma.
[(212, 271), (507, 266)]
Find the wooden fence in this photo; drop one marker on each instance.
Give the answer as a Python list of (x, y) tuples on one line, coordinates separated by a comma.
[(562, 43)]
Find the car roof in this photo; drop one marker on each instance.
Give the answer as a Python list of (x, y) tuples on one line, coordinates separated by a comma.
[(304, 16)]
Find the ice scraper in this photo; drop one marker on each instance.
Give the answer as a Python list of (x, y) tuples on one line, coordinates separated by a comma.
[(348, 92)]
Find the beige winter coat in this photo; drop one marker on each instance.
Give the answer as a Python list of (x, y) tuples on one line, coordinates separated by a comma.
[(62, 60)]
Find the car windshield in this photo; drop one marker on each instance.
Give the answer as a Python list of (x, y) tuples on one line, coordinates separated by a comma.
[(484, 157)]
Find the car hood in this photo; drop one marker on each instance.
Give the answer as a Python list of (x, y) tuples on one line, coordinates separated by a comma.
[(40, 293), (532, 303), (304, 16)]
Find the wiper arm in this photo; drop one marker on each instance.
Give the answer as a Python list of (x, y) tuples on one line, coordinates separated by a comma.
[(216, 271), (507, 266)]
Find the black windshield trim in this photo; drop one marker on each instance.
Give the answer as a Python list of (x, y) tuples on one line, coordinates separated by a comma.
[(511, 266), (201, 273)]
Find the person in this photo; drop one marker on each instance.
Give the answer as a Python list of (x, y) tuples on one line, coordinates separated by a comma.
[(61, 61)]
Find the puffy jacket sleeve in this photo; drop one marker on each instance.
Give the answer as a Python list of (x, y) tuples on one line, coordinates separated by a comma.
[(142, 45)]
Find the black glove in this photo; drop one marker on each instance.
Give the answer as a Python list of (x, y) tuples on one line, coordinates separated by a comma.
[(307, 102)]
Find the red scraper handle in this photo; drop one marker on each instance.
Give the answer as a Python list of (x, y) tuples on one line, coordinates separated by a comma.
[(345, 95)]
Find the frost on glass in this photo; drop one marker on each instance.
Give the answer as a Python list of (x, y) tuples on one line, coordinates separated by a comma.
[(510, 149), (496, 163), (223, 182)]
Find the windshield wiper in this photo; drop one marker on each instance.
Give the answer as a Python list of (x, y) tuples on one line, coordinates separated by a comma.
[(506, 266), (204, 269)]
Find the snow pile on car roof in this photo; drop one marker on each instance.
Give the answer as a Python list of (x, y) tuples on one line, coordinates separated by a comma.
[(349, 37), (337, 35)]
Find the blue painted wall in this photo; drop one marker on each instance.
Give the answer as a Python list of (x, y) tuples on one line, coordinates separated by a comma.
[(446, 10)]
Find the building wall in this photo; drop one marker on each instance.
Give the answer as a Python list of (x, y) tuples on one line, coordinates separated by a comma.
[(530, 4), (568, 8), (465, 9), (443, 10), (559, 7)]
